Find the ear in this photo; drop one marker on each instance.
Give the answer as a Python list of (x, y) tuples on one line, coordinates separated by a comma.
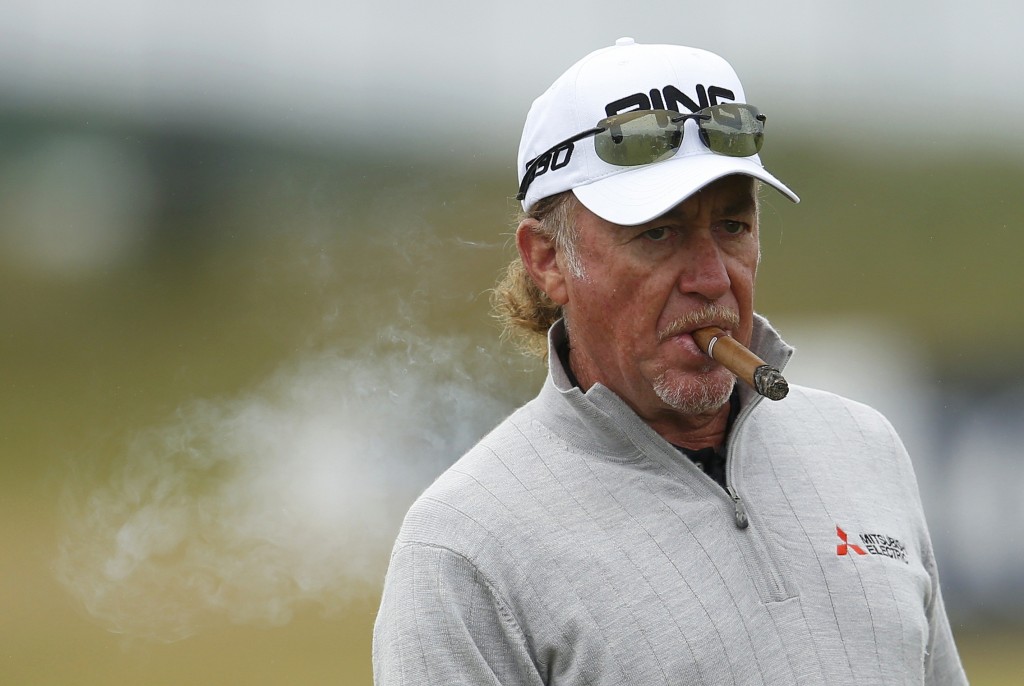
[(541, 260)]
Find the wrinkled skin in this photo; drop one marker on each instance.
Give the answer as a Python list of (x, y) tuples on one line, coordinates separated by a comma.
[(643, 289)]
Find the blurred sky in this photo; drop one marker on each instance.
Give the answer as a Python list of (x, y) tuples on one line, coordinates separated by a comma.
[(310, 70)]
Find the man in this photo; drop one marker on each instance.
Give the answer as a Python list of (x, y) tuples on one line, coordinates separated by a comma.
[(644, 519)]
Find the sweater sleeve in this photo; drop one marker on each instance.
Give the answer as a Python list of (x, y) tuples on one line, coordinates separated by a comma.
[(942, 661), (441, 623), (942, 665)]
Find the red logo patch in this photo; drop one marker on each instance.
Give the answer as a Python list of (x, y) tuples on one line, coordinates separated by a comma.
[(845, 546)]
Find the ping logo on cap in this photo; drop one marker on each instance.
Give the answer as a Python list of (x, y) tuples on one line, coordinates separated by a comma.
[(669, 98)]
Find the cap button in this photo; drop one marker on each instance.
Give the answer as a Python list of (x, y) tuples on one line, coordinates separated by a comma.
[(625, 41)]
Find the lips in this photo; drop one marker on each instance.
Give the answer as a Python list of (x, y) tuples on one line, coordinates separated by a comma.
[(680, 329), (708, 314), (683, 340)]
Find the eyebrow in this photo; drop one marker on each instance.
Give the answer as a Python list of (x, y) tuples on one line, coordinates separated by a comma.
[(740, 204), (746, 203)]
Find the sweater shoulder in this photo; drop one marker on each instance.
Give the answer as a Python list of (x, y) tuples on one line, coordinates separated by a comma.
[(819, 408), (483, 492), (829, 433)]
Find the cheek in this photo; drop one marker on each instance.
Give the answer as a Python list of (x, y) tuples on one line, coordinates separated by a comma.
[(743, 279), (743, 270), (743, 286), (621, 305)]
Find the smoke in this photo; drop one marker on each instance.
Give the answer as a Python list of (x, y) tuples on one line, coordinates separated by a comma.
[(286, 497)]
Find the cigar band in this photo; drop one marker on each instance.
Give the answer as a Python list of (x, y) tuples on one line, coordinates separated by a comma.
[(711, 346)]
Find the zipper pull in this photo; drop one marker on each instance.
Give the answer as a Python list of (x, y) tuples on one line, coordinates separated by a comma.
[(741, 512)]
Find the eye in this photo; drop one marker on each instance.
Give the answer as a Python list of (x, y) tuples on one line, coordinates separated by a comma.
[(656, 234), (733, 227)]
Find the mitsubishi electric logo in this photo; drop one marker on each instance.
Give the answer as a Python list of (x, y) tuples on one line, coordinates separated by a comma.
[(871, 544)]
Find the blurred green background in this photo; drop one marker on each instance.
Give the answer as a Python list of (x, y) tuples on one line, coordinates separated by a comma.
[(231, 358)]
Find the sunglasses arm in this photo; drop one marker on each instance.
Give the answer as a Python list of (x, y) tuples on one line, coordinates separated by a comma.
[(531, 167)]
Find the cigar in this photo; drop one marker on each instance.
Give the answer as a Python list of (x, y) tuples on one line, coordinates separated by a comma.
[(747, 366)]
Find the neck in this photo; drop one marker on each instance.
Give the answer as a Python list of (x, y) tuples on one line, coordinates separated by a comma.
[(693, 431)]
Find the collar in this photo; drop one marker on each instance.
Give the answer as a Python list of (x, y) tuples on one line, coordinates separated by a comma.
[(600, 420), (765, 342)]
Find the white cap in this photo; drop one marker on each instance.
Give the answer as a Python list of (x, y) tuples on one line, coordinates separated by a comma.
[(625, 77)]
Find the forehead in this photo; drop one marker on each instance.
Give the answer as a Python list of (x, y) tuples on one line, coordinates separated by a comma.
[(730, 195)]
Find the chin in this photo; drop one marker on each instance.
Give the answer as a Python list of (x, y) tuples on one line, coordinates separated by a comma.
[(695, 393)]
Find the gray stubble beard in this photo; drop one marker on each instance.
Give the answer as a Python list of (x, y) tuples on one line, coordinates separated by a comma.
[(707, 391), (710, 386)]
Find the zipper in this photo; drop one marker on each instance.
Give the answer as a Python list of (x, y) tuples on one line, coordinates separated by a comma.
[(739, 511), (765, 572)]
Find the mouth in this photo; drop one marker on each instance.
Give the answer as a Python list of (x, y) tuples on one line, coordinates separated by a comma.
[(710, 314), (680, 331), (683, 342)]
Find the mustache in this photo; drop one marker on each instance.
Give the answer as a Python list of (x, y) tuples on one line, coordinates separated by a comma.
[(710, 314)]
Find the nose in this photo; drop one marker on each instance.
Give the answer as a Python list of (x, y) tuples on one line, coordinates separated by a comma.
[(703, 269)]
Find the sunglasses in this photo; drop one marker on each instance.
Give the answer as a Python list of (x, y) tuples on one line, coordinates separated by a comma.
[(647, 136)]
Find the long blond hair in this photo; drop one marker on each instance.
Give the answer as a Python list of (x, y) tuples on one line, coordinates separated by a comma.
[(524, 311)]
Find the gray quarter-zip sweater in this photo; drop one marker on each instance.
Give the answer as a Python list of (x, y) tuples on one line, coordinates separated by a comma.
[(573, 545)]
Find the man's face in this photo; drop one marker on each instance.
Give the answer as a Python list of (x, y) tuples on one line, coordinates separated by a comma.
[(644, 288)]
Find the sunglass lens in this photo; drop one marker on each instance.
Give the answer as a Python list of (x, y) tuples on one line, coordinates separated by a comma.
[(636, 138), (733, 130)]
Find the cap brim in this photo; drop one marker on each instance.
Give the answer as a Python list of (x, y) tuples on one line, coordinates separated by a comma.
[(643, 193)]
